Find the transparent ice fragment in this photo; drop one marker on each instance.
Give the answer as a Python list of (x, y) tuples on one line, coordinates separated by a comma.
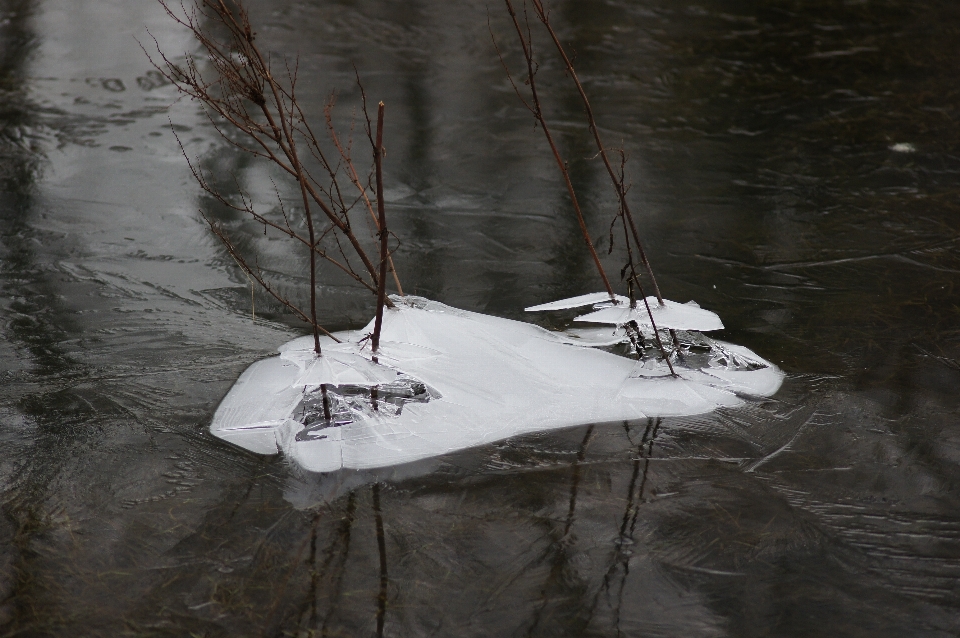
[(344, 368), (595, 337), (578, 302), (671, 314), (348, 403)]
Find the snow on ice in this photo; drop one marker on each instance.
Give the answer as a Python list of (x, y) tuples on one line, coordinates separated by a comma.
[(448, 379)]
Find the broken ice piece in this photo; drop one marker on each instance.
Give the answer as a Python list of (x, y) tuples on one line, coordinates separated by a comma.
[(670, 315), (577, 302)]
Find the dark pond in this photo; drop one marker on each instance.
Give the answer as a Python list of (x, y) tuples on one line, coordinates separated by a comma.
[(795, 165)]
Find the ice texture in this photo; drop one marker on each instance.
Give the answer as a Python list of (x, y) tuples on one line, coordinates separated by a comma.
[(578, 302), (448, 379), (670, 314)]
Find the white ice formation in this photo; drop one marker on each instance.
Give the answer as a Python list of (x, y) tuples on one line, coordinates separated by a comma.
[(448, 379), (903, 147)]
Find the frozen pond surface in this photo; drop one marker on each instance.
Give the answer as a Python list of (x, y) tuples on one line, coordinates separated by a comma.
[(794, 170)]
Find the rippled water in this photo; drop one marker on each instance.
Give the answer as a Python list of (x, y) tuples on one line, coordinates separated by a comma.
[(763, 142)]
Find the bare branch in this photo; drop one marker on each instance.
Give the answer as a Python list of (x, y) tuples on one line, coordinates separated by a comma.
[(257, 275), (259, 113), (544, 17), (527, 46)]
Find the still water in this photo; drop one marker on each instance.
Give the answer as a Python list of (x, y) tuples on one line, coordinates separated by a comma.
[(795, 168)]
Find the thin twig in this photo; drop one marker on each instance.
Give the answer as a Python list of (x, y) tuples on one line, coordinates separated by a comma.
[(381, 290), (635, 280), (241, 95), (618, 182), (257, 276), (618, 185), (355, 179), (534, 107)]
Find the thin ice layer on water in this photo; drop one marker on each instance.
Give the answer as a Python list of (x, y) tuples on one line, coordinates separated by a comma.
[(669, 314), (617, 310), (447, 379), (579, 301)]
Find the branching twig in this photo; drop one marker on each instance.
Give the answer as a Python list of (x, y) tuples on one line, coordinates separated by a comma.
[(257, 275), (384, 236), (618, 181), (618, 184), (355, 179), (259, 113), (526, 43)]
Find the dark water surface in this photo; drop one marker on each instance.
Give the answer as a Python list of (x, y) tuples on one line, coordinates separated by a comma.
[(760, 138)]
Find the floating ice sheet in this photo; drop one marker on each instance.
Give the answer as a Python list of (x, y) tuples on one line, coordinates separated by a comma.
[(450, 379)]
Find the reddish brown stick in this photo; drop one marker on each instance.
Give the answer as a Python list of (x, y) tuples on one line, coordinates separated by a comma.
[(538, 114), (617, 184), (355, 180), (635, 280), (381, 214)]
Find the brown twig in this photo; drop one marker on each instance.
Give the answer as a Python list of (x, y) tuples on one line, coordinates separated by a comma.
[(259, 113), (355, 180), (526, 43), (618, 184), (635, 280), (247, 208), (257, 275), (381, 290)]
